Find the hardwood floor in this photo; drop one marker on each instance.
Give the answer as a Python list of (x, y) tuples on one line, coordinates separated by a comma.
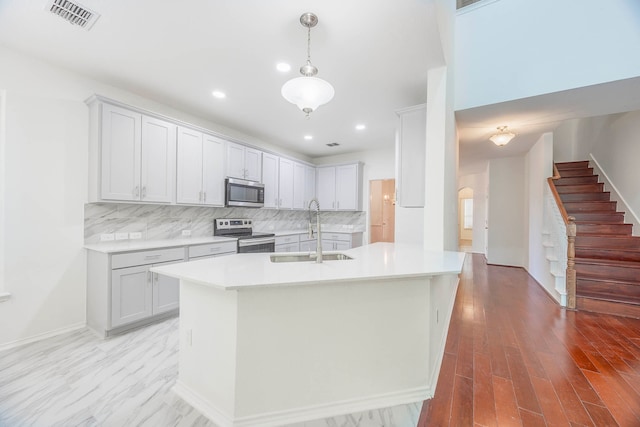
[(513, 357)]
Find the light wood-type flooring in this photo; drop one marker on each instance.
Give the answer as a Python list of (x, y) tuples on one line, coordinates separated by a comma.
[(513, 357)]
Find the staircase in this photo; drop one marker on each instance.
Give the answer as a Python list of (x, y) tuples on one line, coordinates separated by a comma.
[(607, 258)]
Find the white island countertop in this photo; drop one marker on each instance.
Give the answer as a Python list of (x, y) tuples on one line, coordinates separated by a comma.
[(372, 262)]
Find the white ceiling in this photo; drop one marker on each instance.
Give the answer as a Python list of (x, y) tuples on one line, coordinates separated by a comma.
[(376, 55)]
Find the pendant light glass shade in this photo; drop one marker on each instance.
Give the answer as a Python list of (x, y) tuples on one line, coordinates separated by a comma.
[(308, 93), (503, 137)]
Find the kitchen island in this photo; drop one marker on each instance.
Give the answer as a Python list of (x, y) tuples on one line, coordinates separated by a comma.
[(267, 343)]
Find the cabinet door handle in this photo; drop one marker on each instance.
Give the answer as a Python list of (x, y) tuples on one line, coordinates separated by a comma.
[(148, 277), (276, 202), (204, 196), (136, 192), (155, 277), (199, 196), (144, 191), (338, 207), (333, 205)]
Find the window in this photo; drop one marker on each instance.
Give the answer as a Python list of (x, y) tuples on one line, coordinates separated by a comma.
[(467, 213)]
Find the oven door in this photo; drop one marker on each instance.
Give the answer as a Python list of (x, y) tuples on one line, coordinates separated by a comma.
[(239, 192), (266, 244)]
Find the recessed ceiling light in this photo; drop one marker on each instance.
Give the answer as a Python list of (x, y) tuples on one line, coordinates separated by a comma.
[(218, 94), (360, 127), (308, 137), (283, 67)]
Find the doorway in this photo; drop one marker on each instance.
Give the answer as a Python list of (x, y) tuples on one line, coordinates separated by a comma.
[(465, 219), (382, 210)]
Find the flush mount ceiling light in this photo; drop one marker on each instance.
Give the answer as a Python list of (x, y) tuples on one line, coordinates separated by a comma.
[(502, 137), (308, 92), (218, 94)]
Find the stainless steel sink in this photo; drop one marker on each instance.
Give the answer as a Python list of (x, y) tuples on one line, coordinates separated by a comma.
[(309, 257)]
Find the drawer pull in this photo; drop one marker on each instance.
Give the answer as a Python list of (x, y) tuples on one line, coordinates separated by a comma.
[(216, 249), (152, 256)]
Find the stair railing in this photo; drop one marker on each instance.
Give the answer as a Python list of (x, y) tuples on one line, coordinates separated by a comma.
[(563, 231)]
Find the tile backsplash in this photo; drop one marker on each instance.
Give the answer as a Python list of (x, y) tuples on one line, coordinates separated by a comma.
[(157, 222)]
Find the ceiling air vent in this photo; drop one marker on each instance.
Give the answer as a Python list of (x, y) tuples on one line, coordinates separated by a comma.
[(72, 12), (332, 144)]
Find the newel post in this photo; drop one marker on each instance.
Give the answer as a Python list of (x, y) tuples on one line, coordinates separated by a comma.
[(571, 262)]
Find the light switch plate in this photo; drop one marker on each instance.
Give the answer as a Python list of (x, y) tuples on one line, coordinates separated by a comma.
[(107, 237), (122, 236), (135, 235)]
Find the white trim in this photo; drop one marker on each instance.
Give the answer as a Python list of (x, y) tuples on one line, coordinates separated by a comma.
[(42, 336), (316, 412), (474, 6), (616, 195), (3, 141)]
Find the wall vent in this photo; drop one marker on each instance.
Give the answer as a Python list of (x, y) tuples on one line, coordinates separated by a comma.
[(332, 144), (73, 12)]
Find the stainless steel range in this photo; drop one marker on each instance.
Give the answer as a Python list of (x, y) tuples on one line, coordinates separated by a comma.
[(248, 240)]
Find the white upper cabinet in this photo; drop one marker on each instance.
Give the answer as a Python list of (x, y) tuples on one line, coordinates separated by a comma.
[(309, 185), (200, 178), (270, 175), (326, 187), (158, 160), (244, 162), (213, 170), (285, 197), (137, 156), (347, 191), (120, 154), (411, 136), (339, 187), (299, 185)]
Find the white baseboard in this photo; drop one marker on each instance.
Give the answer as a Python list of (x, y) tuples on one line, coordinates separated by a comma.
[(42, 336), (299, 415)]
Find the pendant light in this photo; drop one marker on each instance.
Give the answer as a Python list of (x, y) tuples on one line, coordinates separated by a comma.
[(308, 92), (502, 137)]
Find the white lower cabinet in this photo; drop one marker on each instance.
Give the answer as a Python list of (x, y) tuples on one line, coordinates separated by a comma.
[(341, 241), (212, 250), (288, 243), (122, 293)]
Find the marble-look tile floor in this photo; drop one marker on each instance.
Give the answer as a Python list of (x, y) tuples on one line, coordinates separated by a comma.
[(77, 379)]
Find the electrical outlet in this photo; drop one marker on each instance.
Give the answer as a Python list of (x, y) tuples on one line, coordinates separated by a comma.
[(186, 233), (107, 237), (135, 235), (122, 236)]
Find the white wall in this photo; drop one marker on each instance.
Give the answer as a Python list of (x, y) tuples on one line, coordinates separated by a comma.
[(512, 49), (479, 183), (506, 217), (378, 164), (539, 162), (46, 171)]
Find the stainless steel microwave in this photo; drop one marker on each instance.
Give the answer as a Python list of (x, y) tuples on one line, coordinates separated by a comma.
[(239, 192)]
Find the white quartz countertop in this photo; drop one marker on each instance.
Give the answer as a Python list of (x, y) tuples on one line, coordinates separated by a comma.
[(139, 245), (376, 261)]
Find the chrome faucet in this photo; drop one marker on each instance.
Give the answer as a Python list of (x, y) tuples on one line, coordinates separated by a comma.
[(319, 232)]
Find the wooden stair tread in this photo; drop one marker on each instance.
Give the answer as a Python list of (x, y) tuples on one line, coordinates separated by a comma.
[(609, 262), (612, 281), (572, 165)]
